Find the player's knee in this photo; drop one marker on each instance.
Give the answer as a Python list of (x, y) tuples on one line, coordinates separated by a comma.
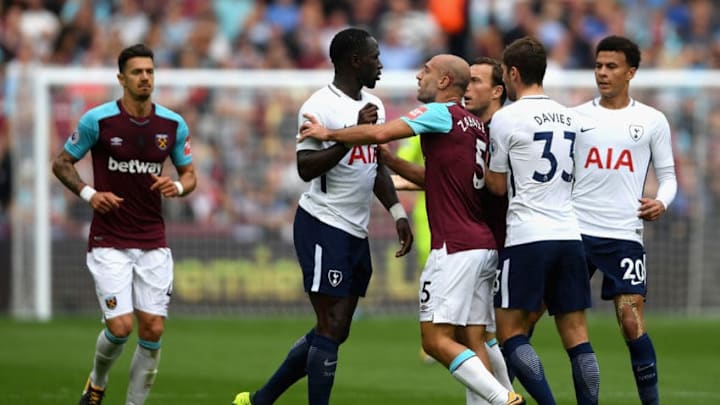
[(121, 326), (151, 331), (337, 328)]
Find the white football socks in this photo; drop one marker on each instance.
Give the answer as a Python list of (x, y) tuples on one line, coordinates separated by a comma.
[(473, 374), (143, 369), (106, 352), (497, 361)]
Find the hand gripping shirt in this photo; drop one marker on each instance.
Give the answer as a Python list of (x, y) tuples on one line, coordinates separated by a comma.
[(342, 196)]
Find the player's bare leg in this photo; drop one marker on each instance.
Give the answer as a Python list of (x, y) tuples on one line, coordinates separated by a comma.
[(473, 336), (438, 340), (629, 311)]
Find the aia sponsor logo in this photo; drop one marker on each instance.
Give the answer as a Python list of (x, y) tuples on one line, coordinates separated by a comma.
[(416, 112), (610, 159), (363, 154)]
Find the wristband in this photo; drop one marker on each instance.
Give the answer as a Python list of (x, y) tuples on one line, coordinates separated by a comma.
[(398, 212), (179, 187), (87, 193)]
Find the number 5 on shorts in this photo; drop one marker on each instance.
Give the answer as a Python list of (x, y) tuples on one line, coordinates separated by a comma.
[(424, 293)]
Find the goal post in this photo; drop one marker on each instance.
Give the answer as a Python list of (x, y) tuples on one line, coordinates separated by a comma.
[(570, 87)]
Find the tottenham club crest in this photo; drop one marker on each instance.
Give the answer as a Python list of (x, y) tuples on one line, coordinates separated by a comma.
[(335, 277), (636, 132), (161, 140)]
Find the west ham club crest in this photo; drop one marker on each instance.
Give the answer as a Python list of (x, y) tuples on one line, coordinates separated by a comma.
[(161, 140)]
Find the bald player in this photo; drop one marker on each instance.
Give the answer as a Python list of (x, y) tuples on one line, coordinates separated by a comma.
[(455, 285)]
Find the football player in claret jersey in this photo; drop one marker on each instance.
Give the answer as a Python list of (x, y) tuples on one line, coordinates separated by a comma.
[(485, 95), (543, 260), (331, 223), (128, 256), (613, 153), (455, 285)]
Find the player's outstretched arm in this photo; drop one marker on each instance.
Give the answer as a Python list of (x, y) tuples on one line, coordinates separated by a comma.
[(385, 192), (358, 135)]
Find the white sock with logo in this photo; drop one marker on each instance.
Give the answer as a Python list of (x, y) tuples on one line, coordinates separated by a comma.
[(143, 370)]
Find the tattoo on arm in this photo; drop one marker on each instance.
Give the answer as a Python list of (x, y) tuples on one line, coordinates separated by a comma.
[(64, 169)]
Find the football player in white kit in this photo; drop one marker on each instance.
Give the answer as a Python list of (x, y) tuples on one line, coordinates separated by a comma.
[(532, 143), (613, 153), (331, 223)]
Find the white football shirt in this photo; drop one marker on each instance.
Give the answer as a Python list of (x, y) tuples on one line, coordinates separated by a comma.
[(341, 197), (612, 157), (532, 141)]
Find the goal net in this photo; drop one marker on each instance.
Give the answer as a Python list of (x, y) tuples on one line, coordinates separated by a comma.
[(232, 239)]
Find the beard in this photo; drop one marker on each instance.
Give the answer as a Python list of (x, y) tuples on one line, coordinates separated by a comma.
[(142, 97), (424, 96)]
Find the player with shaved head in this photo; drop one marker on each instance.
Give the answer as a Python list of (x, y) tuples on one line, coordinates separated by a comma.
[(455, 285)]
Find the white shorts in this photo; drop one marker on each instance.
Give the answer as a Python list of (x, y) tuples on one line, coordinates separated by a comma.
[(456, 288), (127, 279)]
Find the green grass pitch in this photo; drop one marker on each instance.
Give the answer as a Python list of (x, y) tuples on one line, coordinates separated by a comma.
[(205, 361)]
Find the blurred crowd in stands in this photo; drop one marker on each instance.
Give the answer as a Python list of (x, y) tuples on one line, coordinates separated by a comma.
[(243, 141), (273, 34)]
